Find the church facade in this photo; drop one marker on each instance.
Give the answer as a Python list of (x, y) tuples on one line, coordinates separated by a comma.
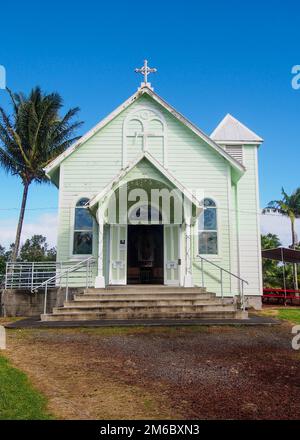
[(157, 201)]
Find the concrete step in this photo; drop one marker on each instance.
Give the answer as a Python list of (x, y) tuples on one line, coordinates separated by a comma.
[(140, 296), (140, 302), (144, 302), (90, 316), (144, 309), (145, 288)]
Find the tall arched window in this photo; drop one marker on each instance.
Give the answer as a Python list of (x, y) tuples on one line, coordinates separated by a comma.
[(208, 229), (83, 229)]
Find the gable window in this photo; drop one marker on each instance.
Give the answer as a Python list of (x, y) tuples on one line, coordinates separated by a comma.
[(144, 129), (208, 229), (83, 229)]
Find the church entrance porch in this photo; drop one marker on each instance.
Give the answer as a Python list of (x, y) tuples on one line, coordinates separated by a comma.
[(145, 254), (144, 228)]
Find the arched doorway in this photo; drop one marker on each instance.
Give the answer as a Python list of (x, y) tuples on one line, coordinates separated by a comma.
[(145, 250), (145, 233)]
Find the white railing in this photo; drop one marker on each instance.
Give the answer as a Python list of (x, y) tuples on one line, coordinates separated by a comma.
[(29, 275), (33, 276), (83, 270), (222, 271)]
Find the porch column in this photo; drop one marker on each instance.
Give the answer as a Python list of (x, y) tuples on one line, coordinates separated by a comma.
[(188, 277), (99, 280)]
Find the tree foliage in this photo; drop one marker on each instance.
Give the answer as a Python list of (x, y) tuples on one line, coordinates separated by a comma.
[(272, 273), (273, 270), (34, 249), (31, 137), (289, 206)]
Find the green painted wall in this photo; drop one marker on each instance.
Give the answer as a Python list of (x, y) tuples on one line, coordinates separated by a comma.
[(196, 165)]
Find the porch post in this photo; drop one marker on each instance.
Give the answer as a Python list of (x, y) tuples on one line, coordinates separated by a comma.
[(99, 280), (188, 277)]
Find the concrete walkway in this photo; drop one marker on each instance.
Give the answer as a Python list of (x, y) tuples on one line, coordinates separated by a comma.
[(35, 322)]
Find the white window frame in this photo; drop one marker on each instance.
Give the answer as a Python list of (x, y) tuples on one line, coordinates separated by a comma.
[(80, 256), (209, 256)]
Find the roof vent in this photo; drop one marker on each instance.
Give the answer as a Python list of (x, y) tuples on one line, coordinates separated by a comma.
[(236, 151)]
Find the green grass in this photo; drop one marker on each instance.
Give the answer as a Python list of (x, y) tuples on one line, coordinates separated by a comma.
[(18, 399), (135, 330), (292, 315)]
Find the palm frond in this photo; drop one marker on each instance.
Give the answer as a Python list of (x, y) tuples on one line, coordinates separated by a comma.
[(35, 133)]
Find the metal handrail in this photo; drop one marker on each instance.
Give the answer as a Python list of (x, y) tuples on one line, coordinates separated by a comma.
[(242, 281), (28, 275), (66, 273), (37, 263)]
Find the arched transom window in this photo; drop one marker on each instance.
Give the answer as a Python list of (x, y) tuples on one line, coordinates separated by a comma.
[(83, 229), (144, 214), (208, 229), (144, 130)]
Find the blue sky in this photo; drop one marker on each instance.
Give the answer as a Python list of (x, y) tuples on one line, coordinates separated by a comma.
[(212, 58)]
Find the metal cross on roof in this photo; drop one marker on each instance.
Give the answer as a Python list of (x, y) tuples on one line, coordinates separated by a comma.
[(145, 70)]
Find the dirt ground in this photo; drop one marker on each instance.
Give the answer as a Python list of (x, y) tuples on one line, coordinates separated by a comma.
[(188, 373)]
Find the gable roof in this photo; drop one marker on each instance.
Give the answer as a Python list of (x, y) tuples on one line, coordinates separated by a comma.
[(141, 91), (166, 173), (230, 130)]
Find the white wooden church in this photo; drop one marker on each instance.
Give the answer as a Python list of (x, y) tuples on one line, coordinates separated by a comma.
[(160, 210)]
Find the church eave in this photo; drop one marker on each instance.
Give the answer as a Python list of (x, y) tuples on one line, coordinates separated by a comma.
[(141, 91)]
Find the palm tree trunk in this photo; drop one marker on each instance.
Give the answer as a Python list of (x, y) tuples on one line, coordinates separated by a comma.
[(295, 272), (20, 223)]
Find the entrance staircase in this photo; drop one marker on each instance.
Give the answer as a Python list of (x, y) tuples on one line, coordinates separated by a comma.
[(145, 302)]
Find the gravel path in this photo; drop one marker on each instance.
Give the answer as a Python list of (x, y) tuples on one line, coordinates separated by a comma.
[(201, 372)]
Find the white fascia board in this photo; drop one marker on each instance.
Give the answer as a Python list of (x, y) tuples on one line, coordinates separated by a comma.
[(172, 178), (238, 142), (55, 163), (114, 181), (197, 131), (144, 90), (158, 166)]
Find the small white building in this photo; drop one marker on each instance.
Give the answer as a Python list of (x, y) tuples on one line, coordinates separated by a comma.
[(155, 200)]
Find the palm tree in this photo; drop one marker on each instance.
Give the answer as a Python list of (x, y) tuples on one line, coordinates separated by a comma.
[(270, 241), (272, 273), (289, 206), (32, 137)]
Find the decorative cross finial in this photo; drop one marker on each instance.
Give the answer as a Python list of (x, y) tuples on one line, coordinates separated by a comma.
[(145, 70)]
